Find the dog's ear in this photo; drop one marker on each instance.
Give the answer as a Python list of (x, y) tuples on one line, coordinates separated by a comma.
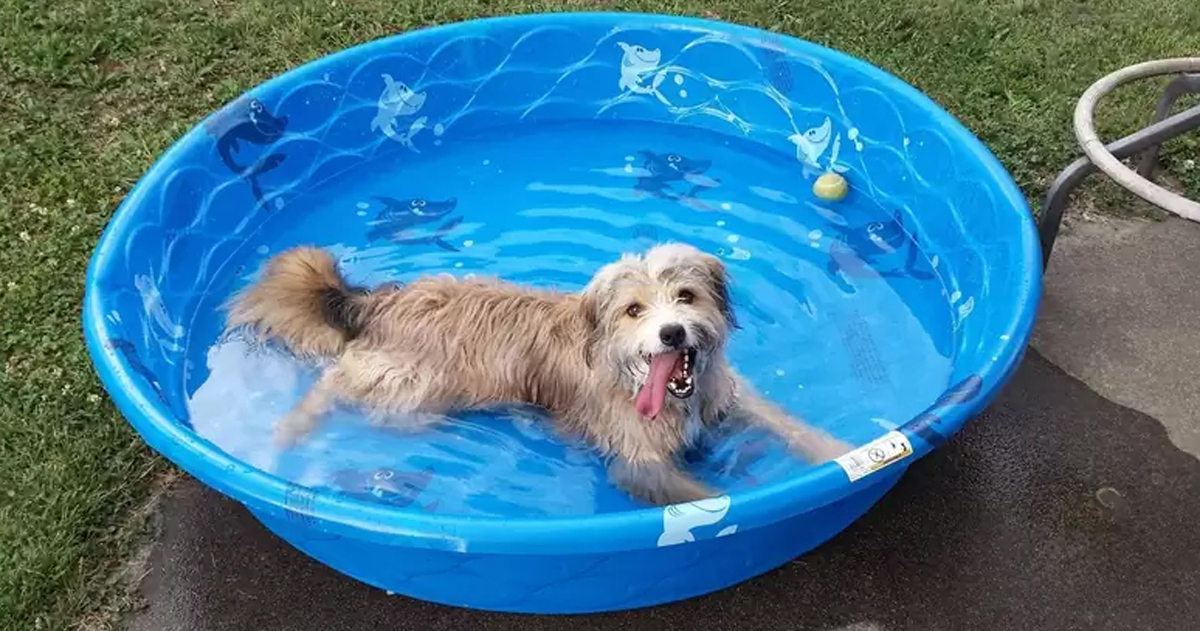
[(718, 286), (589, 311)]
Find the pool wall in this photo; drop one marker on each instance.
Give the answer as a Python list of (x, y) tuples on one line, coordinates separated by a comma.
[(202, 201)]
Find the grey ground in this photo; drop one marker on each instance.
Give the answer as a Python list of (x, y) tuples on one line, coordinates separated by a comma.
[(1071, 504)]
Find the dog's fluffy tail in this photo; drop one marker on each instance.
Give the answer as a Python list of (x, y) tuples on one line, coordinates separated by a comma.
[(302, 301)]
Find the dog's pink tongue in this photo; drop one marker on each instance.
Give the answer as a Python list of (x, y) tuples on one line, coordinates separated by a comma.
[(653, 395)]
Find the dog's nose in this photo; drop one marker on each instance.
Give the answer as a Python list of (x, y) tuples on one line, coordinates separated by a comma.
[(672, 335)]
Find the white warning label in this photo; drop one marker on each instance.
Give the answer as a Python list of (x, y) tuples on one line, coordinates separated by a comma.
[(875, 455)]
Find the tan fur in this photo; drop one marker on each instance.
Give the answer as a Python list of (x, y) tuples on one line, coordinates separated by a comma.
[(442, 344), (283, 304)]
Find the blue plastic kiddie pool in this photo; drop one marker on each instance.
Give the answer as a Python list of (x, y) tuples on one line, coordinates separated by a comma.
[(537, 148)]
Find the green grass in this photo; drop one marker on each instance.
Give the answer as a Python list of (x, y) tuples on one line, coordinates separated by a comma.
[(91, 92)]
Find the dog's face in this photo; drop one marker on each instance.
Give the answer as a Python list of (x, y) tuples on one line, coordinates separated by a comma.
[(657, 321)]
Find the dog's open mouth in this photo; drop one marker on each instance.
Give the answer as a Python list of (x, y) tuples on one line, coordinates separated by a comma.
[(680, 385), (669, 372)]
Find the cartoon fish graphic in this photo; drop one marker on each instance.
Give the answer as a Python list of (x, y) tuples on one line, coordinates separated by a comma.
[(247, 120), (129, 352), (399, 219), (156, 308), (641, 72), (679, 520), (924, 424), (811, 144), (395, 488), (862, 251), (660, 173), (397, 101), (638, 64)]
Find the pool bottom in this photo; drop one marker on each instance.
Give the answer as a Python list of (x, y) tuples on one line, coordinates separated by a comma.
[(844, 320)]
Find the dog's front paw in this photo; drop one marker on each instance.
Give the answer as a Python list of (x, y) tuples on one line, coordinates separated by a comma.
[(682, 493), (831, 448), (660, 483), (290, 431), (816, 446)]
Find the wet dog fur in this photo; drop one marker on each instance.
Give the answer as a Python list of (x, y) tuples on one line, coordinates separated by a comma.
[(409, 354)]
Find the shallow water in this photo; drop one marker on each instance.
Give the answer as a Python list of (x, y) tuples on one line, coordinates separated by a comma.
[(844, 320)]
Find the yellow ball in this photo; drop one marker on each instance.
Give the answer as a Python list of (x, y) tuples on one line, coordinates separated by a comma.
[(831, 187)]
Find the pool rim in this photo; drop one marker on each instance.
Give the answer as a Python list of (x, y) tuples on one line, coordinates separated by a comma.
[(605, 532)]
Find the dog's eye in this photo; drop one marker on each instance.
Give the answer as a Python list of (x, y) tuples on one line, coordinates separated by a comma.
[(634, 310), (686, 296)]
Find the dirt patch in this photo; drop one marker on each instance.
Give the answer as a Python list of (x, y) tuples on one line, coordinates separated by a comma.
[(141, 527)]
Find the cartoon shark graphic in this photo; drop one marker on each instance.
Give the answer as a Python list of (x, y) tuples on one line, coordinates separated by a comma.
[(680, 519), (924, 424), (661, 172), (154, 306), (640, 71), (399, 489), (860, 251), (247, 120), (129, 352), (811, 144), (399, 100), (398, 219)]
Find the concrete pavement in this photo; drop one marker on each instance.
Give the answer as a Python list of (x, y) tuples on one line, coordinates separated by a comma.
[(1057, 509), (1122, 312)]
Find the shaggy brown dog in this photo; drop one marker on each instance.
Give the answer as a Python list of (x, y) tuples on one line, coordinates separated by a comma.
[(602, 362)]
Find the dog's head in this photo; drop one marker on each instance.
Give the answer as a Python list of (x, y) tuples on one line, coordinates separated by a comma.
[(657, 321)]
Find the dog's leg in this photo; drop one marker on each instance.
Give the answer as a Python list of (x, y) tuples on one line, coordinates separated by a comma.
[(407, 422), (803, 439), (393, 390), (659, 482), (307, 414), (391, 393)]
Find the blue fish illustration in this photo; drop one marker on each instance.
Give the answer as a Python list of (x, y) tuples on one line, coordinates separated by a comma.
[(399, 489), (962, 392), (399, 219), (661, 173), (247, 120), (863, 251), (129, 352)]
